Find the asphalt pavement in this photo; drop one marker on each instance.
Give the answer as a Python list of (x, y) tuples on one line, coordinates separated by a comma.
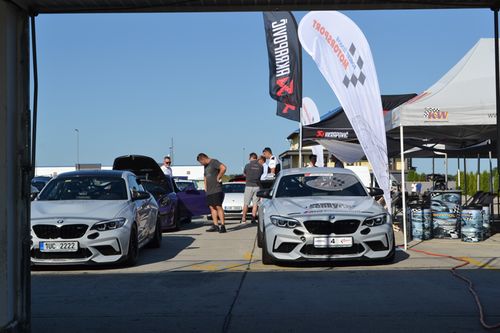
[(210, 282)]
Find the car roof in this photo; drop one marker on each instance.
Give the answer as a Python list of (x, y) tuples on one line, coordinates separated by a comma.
[(294, 171), (107, 173)]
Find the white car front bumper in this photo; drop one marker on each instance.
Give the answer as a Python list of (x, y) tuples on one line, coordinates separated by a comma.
[(297, 244), (94, 247)]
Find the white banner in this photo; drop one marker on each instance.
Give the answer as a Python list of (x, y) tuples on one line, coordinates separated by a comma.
[(310, 115), (343, 56)]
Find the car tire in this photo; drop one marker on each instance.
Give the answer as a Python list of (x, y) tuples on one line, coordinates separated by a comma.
[(259, 237), (267, 259), (155, 243), (133, 248)]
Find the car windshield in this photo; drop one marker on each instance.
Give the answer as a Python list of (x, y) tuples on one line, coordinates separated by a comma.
[(233, 188), (319, 184), (182, 185), (85, 188)]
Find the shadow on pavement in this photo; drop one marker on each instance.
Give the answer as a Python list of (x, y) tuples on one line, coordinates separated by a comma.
[(172, 245), (400, 256)]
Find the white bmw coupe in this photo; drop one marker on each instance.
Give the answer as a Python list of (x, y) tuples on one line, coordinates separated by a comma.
[(93, 217), (323, 214)]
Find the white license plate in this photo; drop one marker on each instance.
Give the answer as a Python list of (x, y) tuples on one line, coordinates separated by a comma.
[(333, 242), (58, 246), (233, 208)]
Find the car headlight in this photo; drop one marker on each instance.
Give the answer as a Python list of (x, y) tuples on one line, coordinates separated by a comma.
[(109, 224), (376, 220), (284, 222)]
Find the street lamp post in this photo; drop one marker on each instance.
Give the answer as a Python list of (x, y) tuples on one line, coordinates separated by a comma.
[(77, 148)]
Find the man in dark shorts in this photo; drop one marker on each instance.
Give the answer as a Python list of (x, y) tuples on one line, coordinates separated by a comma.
[(253, 171), (214, 170)]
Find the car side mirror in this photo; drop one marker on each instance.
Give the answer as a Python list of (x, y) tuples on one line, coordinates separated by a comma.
[(375, 191), (140, 195), (266, 194), (33, 195)]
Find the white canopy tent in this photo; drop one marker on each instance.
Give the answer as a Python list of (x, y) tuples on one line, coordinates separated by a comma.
[(459, 109)]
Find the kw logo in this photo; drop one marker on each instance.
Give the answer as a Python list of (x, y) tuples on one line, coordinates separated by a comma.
[(435, 114)]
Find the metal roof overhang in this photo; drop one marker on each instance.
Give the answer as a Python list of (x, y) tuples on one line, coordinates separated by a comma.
[(131, 6)]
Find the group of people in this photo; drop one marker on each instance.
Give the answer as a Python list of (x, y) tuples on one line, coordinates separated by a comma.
[(258, 169)]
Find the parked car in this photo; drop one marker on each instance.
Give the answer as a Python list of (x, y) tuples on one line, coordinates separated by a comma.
[(323, 214), (98, 217), (233, 199), (183, 184), (175, 206), (40, 181), (34, 192)]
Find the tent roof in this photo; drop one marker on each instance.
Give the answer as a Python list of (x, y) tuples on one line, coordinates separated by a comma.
[(101, 6), (465, 96)]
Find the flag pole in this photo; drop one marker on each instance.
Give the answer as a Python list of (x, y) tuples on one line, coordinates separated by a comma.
[(300, 138)]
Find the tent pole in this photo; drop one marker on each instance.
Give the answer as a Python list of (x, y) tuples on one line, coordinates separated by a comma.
[(465, 178), (458, 172), (491, 172), (478, 176), (433, 174), (446, 169), (403, 189), (497, 81)]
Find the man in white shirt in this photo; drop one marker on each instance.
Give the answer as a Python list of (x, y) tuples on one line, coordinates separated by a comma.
[(262, 161), (167, 170), (272, 162)]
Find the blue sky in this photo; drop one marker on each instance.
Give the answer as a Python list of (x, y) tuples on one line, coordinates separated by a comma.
[(130, 82)]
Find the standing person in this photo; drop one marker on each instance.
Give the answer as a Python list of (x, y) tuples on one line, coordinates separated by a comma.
[(262, 162), (419, 188), (413, 188), (313, 159), (253, 171), (336, 162), (167, 170), (273, 164), (214, 171)]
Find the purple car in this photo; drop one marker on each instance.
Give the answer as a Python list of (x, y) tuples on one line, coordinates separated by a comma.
[(175, 206)]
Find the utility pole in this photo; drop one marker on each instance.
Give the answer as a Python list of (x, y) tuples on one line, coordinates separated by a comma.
[(77, 148)]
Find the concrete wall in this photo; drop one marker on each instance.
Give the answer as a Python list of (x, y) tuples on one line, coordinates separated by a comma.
[(14, 169)]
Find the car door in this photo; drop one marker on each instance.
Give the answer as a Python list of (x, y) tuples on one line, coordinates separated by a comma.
[(192, 202), (141, 209)]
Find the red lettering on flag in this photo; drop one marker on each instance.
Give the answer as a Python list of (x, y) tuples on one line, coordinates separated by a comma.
[(288, 107), (284, 87)]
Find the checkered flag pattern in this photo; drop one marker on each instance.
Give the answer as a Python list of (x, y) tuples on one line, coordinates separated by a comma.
[(357, 76)]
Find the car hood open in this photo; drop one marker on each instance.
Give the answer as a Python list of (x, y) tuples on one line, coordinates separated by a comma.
[(86, 209), (143, 166)]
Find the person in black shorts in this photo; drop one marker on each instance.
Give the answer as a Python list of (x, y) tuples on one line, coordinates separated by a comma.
[(214, 170)]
